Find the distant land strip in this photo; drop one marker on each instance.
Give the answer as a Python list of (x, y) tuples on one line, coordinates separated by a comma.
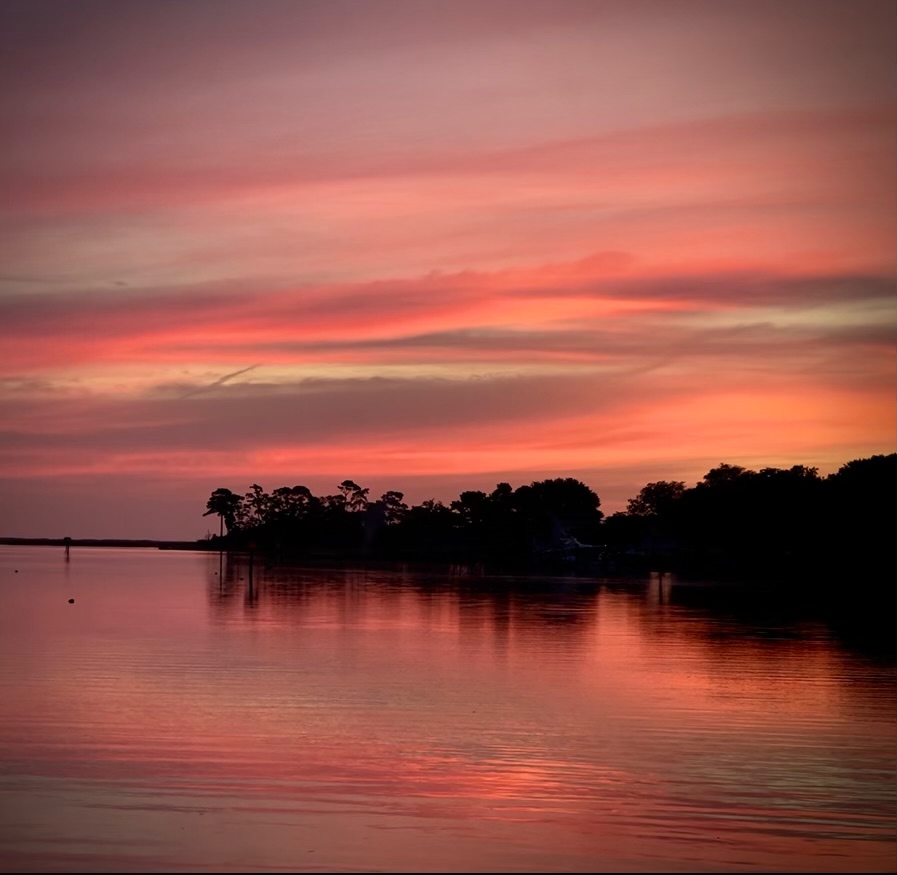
[(105, 542)]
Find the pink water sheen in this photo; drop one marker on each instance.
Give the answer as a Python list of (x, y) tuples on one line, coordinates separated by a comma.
[(173, 718)]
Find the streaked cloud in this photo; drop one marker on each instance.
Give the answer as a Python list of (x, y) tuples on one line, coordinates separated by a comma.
[(618, 239)]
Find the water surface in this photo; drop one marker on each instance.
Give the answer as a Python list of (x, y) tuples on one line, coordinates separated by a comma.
[(173, 718)]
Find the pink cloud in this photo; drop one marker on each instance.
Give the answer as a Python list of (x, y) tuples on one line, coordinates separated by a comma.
[(517, 237), (364, 322)]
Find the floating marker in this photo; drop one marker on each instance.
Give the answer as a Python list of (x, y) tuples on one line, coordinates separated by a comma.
[(71, 601)]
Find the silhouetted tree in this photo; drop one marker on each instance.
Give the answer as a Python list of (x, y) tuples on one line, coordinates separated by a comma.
[(226, 504), (257, 505), (656, 499), (861, 517), (394, 508), (356, 498), (473, 508), (557, 512)]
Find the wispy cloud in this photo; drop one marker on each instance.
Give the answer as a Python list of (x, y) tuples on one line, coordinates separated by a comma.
[(219, 382)]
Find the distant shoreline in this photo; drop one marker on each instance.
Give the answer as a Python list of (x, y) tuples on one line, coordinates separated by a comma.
[(106, 542)]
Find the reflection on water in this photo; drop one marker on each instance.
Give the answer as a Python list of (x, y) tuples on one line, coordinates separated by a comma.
[(186, 714)]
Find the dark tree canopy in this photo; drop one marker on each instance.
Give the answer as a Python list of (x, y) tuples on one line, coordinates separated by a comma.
[(656, 499), (224, 503), (733, 518), (502, 524)]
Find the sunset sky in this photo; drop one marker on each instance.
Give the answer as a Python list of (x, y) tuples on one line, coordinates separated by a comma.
[(431, 245)]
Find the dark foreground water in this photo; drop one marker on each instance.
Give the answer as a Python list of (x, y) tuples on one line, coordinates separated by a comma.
[(175, 719)]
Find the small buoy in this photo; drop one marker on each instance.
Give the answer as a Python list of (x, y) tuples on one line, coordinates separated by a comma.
[(17, 571), (71, 601)]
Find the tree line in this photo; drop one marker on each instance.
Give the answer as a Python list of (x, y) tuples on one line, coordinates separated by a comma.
[(737, 518), (544, 517), (733, 519)]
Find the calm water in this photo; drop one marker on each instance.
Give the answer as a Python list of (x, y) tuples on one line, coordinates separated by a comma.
[(173, 719)]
